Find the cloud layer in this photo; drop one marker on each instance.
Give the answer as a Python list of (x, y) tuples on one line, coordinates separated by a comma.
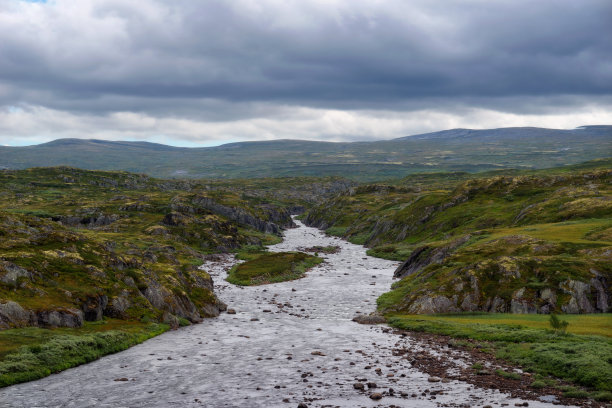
[(191, 72)]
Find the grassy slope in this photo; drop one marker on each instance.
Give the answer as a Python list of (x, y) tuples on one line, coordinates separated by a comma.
[(550, 226), (70, 263), (272, 268)]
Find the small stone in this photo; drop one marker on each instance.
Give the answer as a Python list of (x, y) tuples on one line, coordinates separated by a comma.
[(302, 405), (317, 353), (376, 396), (231, 311), (359, 386), (433, 379), (121, 379)]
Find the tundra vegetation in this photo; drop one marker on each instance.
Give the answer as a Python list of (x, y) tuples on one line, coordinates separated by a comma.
[(92, 262), (272, 268)]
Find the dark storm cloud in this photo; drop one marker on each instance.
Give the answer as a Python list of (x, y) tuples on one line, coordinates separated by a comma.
[(362, 54), (209, 61)]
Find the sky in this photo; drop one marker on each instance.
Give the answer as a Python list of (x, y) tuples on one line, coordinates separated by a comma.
[(201, 73)]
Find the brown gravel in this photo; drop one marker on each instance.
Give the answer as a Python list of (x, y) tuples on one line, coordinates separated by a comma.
[(437, 366)]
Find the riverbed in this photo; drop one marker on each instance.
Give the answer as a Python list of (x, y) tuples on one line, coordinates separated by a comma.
[(288, 343)]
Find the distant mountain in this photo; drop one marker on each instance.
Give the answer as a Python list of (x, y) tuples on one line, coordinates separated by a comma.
[(514, 133), (450, 150)]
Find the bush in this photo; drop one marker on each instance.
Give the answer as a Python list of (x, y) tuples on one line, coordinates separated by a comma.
[(559, 326)]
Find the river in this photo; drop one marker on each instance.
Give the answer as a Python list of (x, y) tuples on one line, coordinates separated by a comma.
[(288, 343)]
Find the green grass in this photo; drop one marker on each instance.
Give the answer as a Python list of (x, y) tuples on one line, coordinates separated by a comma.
[(506, 374), (584, 359), (587, 324), (569, 231), (272, 268), (31, 353)]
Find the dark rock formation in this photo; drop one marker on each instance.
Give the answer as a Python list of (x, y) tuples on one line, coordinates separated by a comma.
[(12, 314), (93, 307), (279, 218), (427, 255)]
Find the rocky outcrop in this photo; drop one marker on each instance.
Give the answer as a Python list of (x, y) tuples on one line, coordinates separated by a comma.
[(93, 220), (93, 307), (117, 306), (11, 274), (434, 304), (279, 218), (587, 297), (569, 297), (60, 318), (427, 255), (13, 315)]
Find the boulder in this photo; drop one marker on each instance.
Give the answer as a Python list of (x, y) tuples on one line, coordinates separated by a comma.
[(373, 318), (59, 318), (433, 304), (13, 315), (118, 306)]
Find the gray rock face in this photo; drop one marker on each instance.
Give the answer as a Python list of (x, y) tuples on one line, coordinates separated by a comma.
[(497, 305), (579, 302), (433, 304), (240, 216), (13, 315), (10, 273), (426, 255), (179, 304), (600, 284), (155, 294), (469, 304), (118, 306), (171, 320), (60, 318)]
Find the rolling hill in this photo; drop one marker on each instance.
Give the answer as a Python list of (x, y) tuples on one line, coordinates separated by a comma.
[(451, 150)]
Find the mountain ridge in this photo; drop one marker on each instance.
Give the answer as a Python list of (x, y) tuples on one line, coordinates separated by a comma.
[(470, 150)]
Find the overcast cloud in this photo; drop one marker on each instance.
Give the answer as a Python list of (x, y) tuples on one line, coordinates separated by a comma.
[(191, 72)]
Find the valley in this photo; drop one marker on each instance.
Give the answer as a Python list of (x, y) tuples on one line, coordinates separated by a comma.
[(95, 262), (287, 344)]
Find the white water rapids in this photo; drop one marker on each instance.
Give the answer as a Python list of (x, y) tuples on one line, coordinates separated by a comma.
[(262, 355)]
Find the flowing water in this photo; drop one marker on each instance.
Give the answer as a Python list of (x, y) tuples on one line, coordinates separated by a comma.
[(288, 343)]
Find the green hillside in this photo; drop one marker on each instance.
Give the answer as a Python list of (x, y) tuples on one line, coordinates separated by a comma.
[(523, 243)]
